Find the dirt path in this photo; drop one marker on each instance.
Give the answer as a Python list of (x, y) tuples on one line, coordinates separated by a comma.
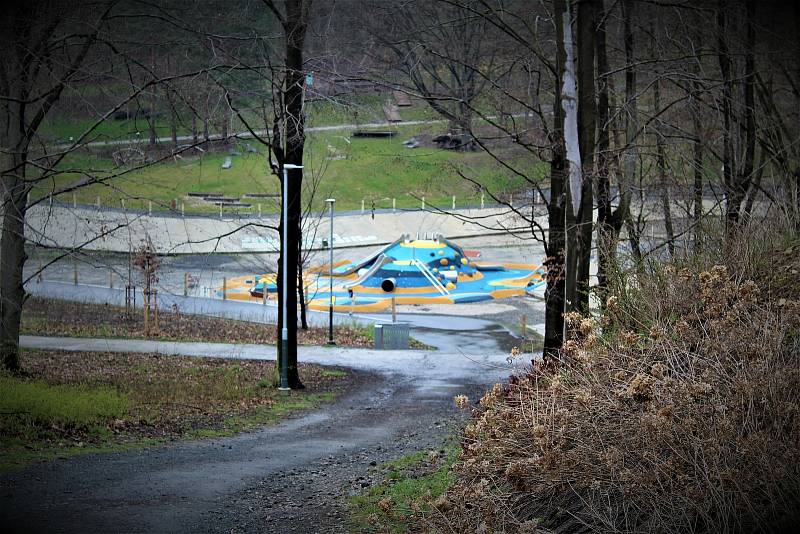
[(293, 477)]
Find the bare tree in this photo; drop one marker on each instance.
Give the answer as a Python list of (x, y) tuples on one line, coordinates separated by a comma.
[(42, 54)]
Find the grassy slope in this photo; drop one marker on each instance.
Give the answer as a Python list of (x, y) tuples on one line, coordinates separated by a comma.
[(374, 169)]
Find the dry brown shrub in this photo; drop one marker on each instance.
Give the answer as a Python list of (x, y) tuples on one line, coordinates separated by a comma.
[(681, 416)]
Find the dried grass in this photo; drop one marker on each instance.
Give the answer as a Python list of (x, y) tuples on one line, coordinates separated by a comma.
[(679, 413)]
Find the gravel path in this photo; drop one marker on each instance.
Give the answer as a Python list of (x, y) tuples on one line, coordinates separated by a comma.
[(293, 477)]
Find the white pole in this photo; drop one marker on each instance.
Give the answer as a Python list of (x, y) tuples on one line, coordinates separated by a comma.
[(362, 206), (183, 209), (454, 202), (423, 203), (259, 210), (482, 201), (150, 207), (394, 205)]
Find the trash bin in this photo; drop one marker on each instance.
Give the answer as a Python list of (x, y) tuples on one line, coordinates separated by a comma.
[(391, 336)]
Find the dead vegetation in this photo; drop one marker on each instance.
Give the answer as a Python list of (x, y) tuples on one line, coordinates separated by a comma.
[(678, 412)]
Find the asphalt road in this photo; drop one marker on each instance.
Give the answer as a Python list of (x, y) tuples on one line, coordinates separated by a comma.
[(292, 477)]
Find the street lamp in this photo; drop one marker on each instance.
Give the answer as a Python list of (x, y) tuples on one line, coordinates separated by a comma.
[(284, 252), (331, 202)]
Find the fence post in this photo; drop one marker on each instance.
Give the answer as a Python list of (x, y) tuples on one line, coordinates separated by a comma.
[(511, 200), (362, 206), (423, 203), (74, 201), (394, 310), (97, 202), (394, 205), (75, 272), (40, 276), (524, 320), (183, 209), (259, 210), (110, 279), (454, 202), (185, 284), (149, 207), (224, 288), (482, 200), (264, 294), (220, 211)]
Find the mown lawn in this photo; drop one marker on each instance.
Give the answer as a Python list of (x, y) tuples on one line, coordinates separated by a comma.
[(348, 169)]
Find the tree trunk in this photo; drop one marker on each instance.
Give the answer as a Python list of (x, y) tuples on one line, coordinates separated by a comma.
[(732, 197), (173, 122), (606, 238), (301, 290), (555, 247), (631, 122), (697, 216), (293, 141), (661, 163), (151, 121), (586, 134), (12, 259)]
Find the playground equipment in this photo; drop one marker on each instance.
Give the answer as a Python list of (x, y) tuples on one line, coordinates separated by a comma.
[(421, 271)]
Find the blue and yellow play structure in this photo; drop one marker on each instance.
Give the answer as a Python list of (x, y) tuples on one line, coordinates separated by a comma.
[(421, 271)]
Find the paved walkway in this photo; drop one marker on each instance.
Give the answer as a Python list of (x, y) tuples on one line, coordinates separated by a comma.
[(292, 477), (425, 366)]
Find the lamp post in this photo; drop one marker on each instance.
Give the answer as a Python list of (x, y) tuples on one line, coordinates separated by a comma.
[(331, 202), (284, 253)]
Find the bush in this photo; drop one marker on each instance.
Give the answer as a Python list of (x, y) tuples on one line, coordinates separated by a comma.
[(680, 416)]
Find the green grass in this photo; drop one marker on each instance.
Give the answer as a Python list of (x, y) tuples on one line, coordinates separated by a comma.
[(411, 483), (375, 170), (98, 402), (263, 416), (63, 405), (335, 373)]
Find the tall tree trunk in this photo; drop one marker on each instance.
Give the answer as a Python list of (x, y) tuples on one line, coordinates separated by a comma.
[(630, 156), (606, 235), (556, 244), (12, 245), (151, 121), (697, 163), (586, 135), (293, 142), (732, 197), (661, 163)]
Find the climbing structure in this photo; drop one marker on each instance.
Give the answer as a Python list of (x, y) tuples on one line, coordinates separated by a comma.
[(421, 271)]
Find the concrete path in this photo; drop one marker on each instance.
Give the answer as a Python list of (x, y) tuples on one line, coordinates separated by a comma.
[(292, 477), (424, 367)]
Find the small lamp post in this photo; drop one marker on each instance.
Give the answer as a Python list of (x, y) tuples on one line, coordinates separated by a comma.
[(285, 331), (331, 202)]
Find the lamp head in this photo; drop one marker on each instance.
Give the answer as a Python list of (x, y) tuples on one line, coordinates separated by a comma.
[(291, 166)]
